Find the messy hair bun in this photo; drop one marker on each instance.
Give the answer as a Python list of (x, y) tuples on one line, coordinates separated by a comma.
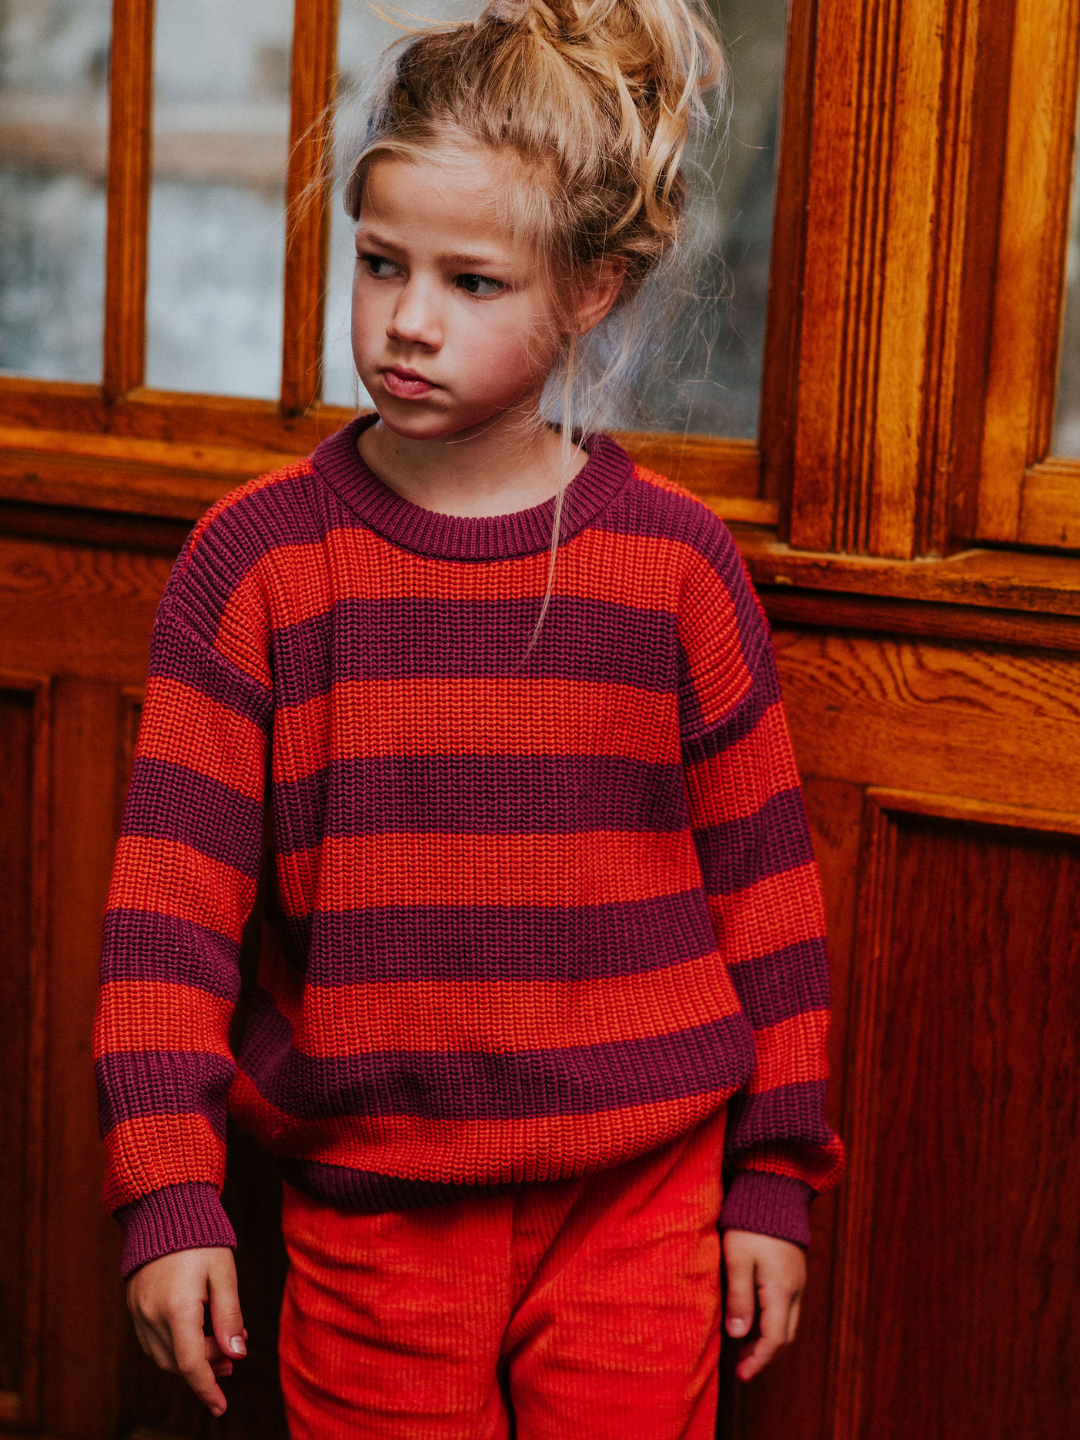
[(603, 93)]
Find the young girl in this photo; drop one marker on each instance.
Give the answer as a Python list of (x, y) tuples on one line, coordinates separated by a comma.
[(545, 957)]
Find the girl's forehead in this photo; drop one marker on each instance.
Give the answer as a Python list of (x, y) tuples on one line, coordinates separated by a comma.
[(462, 193)]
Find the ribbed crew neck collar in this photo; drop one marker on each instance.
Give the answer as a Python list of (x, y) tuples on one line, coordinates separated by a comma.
[(455, 537)]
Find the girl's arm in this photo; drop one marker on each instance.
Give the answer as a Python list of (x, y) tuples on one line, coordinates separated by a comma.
[(753, 843), (182, 888)]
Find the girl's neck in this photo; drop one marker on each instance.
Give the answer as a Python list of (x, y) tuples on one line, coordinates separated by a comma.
[(492, 469)]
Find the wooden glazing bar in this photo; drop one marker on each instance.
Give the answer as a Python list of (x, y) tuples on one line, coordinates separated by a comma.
[(314, 71), (130, 153)]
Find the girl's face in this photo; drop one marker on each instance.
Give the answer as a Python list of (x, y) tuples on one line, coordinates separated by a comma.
[(452, 320)]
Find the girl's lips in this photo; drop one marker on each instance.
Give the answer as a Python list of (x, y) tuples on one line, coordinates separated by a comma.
[(405, 386)]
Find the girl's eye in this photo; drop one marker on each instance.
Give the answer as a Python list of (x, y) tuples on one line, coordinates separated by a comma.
[(378, 265), (480, 284)]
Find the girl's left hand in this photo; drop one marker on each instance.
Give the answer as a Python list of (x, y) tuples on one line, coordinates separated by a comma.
[(765, 1281)]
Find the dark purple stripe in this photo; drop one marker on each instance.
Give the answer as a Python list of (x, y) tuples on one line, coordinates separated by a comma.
[(582, 639), (171, 802), (768, 1205), (503, 942), (519, 1085), (176, 1217), (741, 852), (791, 1114), (479, 795), (788, 982), (187, 658), (369, 1192), (763, 695), (141, 945), (162, 1082)]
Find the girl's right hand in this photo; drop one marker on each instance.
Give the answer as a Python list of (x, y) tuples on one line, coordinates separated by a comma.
[(166, 1299)]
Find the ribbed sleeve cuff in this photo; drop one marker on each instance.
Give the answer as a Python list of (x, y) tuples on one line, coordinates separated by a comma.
[(768, 1205), (180, 1217)]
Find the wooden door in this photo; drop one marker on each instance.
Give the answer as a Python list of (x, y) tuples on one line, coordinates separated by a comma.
[(908, 525)]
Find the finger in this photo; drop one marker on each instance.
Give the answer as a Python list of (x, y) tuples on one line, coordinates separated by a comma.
[(225, 1316), (192, 1364), (219, 1363), (741, 1294), (774, 1301)]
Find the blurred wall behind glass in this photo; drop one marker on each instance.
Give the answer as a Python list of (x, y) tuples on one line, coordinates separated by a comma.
[(54, 58), (217, 210), (705, 376)]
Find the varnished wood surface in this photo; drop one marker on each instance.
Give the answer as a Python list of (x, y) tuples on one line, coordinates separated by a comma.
[(128, 195), (314, 74)]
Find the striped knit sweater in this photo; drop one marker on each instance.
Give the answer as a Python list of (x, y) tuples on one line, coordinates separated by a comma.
[(532, 915)]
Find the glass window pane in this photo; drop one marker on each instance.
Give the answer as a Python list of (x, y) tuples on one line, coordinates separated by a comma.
[(217, 214), (1067, 424), (54, 61), (708, 379)]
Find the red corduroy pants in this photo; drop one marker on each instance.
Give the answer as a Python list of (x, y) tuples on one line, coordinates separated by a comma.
[(579, 1310)]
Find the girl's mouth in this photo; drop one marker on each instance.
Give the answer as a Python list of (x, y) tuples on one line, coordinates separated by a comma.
[(406, 384)]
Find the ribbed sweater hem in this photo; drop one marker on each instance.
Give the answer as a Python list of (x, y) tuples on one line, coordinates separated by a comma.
[(768, 1204), (179, 1217)]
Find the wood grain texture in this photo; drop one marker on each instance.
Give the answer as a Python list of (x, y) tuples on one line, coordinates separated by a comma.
[(1050, 504), (88, 610), (128, 214), (1001, 579), (1029, 276), (953, 623), (314, 74), (990, 724), (784, 312), (890, 209), (24, 803), (965, 1147), (85, 1319)]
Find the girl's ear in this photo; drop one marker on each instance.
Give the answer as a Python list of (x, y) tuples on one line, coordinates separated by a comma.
[(598, 293)]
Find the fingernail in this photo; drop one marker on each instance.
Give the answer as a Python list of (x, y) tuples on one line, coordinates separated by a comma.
[(236, 1344), (217, 1411), (736, 1326)]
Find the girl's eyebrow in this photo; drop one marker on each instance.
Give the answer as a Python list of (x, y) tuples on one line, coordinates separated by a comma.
[(372, 237)]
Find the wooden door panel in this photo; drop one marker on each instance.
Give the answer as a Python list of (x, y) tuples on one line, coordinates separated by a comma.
[(24, 702), (959, 1314)]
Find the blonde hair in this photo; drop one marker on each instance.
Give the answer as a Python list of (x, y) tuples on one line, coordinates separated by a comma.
[(599, 99)]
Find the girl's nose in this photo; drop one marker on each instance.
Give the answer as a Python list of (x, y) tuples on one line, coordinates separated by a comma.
[(415, 319)]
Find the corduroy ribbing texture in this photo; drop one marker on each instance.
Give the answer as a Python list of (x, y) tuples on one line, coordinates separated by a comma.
[(535, 912), (590, 1307)]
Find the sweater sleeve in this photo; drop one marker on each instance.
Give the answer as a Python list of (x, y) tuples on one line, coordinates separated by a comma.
[(183, 885), (753, 843)]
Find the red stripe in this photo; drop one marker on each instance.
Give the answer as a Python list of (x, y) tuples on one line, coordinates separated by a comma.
[(152, 1151), (641, 571), (791, 1051), (782, 910), (361, 719), (154, 1015), (168, 878), (598, 867), (501, 1015), (184, 726), (470, 1152), (819, 1166), (740, 780)]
